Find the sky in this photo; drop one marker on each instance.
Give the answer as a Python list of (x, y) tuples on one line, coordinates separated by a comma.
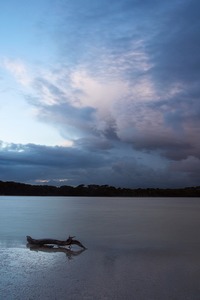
[(100, 92)]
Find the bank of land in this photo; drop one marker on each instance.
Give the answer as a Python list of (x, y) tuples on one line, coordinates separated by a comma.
[(10, 188)]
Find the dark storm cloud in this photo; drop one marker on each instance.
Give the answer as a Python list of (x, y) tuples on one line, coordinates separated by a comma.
[(176, 47), (72, 166), (32, 163), (57, 156), (177, 138), (190, 168), (170, 35)]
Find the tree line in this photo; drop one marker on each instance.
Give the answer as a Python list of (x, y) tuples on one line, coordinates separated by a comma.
[(10, 188)]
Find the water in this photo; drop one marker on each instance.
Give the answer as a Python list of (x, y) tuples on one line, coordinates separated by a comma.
[(138, 248)]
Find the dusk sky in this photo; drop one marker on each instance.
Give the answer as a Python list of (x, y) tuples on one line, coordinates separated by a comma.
[(100, 92)]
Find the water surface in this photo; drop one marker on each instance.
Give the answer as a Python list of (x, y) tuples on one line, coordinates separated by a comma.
[(138, 248)]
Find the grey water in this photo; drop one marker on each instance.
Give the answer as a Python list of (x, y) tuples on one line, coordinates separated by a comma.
[(137, 248)]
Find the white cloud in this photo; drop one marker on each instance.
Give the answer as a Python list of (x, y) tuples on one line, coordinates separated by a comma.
[(18, 69), (97, 93), (122, 105)]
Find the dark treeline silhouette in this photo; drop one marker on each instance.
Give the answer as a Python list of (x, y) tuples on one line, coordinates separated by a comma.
[(11, 188)]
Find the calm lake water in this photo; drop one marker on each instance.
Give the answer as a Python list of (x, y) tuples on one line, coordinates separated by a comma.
[(138, 248)]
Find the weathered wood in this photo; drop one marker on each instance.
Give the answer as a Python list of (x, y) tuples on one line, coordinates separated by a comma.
[(40, 242)]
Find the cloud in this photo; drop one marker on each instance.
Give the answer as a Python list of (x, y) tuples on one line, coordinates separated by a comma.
[(126, 82), (189, 166), (87, 107), (175, 52), (18, 69), (19, 162), (73, 165)]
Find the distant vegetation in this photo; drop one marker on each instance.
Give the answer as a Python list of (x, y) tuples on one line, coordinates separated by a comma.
[(10, 188)]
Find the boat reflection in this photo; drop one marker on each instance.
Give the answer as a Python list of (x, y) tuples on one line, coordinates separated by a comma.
[(70, 254)]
